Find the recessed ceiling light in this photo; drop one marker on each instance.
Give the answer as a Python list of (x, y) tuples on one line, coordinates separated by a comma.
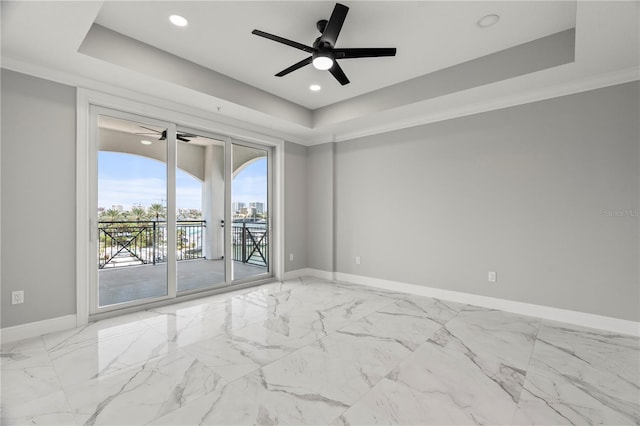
[(145, 142), (488, 20), (315, 87), (178, 21)]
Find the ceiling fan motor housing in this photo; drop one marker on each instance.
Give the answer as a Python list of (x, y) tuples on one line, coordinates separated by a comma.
[(321, 25)]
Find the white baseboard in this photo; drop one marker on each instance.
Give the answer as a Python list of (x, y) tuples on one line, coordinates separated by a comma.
[(308, 272), (555, 314), (37, 328)]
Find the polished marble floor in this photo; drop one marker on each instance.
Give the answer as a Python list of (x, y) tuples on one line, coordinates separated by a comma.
[(309, 351)]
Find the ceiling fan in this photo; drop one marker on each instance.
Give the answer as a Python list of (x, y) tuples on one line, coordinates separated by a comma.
[(323, 52), (163, 135)]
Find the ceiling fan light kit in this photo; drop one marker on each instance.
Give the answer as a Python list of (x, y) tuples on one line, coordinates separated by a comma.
[(322, 61), (324, 55)]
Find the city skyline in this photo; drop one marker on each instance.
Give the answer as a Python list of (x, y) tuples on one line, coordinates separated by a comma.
[(130, 180)]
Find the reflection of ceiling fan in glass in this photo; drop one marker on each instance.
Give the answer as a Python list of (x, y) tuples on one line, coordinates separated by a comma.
[(163, 135)]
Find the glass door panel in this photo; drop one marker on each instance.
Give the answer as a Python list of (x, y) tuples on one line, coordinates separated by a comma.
[(177, 211), (250, 211), (132, 207), (200, 186)]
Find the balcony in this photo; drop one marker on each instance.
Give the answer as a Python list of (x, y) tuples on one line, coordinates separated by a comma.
[(132, 258)]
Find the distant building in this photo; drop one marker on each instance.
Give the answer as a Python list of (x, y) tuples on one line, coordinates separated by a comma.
[(258, 206), (118, 207), (237, 206)]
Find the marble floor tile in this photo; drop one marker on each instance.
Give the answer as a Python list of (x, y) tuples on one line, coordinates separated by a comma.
[(33, 395), (407, 322), (498, 343), (23, 354), (580, 375), (196, 323), (141, 394), (437, 385), (339, 368), (394, 403), (49, 409), (19, 386), (250, 400), (239, 352), (311, 351), (438, 311), (99, 330), (78, 362)]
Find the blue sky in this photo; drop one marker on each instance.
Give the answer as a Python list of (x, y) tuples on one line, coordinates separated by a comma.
[(130, 179)]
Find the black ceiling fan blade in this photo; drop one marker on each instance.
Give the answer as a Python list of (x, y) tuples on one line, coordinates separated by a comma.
[(337, 72), (283, 41), (364, 52), (332, 30), (182, 138), (295, 66)]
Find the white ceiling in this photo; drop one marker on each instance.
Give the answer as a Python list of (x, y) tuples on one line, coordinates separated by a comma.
[(219, 37), (432, 38)]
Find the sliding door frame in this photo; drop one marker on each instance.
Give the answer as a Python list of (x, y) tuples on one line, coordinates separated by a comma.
[(164, 111)]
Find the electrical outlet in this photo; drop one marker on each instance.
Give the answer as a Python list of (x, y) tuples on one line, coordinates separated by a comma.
[(291, 257), (357, 260), (492, 277), (17, 297)]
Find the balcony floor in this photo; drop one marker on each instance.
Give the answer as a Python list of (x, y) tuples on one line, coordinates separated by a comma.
[(119, 285)]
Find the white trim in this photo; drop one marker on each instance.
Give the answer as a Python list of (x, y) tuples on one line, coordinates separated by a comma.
[(84, 222), (309, 272), (37, 328), (228, 217), (278, 230), (555, 314)]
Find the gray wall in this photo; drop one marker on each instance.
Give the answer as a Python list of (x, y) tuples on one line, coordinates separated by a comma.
[(38, 198), (320, 180), (546, 194), (295, 206)]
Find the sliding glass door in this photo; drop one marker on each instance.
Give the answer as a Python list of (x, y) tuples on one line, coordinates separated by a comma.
[(200, 202), (177, 211), (132, 211), (250, 208)]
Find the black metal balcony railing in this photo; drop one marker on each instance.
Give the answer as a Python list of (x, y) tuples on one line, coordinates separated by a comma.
[(128, 243), (250, 243), (141, 242)]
